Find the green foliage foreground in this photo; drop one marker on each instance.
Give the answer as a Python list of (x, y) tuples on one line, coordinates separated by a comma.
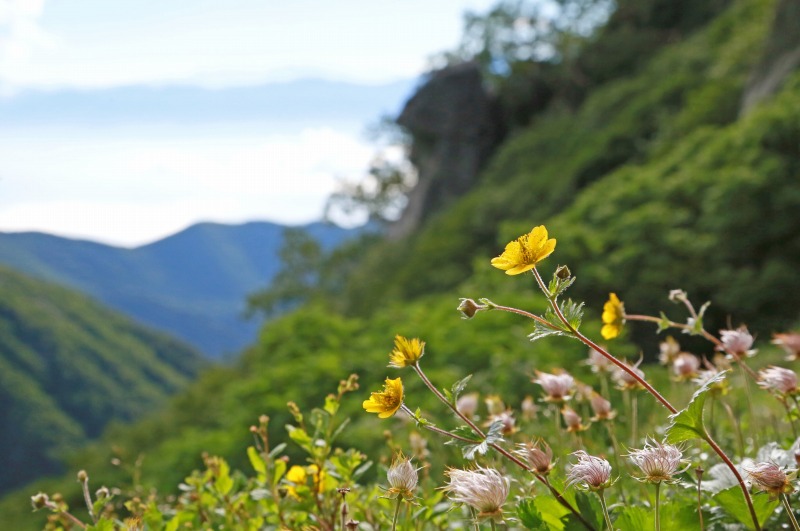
[(662, 440)]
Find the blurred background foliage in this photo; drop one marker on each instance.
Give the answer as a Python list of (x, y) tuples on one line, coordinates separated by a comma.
[(624, 134)]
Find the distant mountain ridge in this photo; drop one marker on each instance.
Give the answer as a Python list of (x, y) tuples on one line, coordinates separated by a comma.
[(192, 284), (68, 366), (303, 100)]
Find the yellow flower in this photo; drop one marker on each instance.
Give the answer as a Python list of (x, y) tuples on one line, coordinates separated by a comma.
[(406, 352), (297, 476), (613, 317), (387, 402), (525, 252)]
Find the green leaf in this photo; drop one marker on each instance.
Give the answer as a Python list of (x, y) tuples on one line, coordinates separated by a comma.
[(103, 524), (573, 312), (300, 436), (590, 508), (223, 483), (635, 518), (280, 470), (331, 404), (551, 511), (459, 387), (732, 500), (678, 517), (688, 424), (257, 462), (529, 515), (468, 449)]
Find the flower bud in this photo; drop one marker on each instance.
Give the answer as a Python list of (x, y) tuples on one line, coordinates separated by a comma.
[(538, 454)]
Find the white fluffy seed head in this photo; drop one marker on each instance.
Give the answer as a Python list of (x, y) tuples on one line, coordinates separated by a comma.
[(483, 489), (590, 472), (657, 461)]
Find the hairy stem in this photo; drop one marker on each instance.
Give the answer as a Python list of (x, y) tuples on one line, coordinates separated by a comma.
[(748, 500), (605, 510), (792, 519)]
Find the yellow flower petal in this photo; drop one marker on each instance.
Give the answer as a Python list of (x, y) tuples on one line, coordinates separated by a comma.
[(613, 317), (386, 403), (525, 252), (406, 352)]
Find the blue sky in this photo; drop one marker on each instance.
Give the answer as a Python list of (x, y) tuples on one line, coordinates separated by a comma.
[(124, 121)]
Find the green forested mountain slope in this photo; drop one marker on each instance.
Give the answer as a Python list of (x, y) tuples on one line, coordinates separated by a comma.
[(655, 182), (191, 284), (68, 366)]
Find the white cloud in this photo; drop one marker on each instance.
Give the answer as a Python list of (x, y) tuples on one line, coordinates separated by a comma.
[(131, 191)]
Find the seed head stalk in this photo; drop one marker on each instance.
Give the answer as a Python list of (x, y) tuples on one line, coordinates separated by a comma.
[(789, 512), (649, 388)]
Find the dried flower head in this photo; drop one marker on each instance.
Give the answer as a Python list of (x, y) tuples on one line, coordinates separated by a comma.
[(624, 380), (685, 366), (778, 380), (506, 419), (737, 343), (419, 446), (572, 420), (537, 454), (703, 376), (483, 489), (598, 363), (529, 408), (668, 350), (402, 478), (657, 461), (790, 343), (406, 352), (525, 252), (494, 404), (386, 403), (601, 408), (558, 387), (613, 317), (770, 478), (589, 473), (467, 404)]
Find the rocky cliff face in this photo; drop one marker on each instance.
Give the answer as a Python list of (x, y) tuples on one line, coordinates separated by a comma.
[(781, 55), (455, 125)]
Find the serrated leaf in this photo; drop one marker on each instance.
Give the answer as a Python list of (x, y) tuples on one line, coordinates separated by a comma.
[(573, 312), (529, 515), (495, 433), (558, 286), (459, 387), (664, 323), (732, 500), (540, 331), (688, 424), (590, 509)]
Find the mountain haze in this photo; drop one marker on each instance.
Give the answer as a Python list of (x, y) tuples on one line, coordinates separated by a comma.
[(192, 284)]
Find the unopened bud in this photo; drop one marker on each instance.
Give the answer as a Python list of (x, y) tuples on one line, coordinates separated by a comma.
[(102, 493), (83, 477), (563, 272), (40, 501), (469, 308), (351, 525)]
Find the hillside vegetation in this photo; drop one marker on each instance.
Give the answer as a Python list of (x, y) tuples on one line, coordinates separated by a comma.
[(68, 366), (192, 284), (652, 181)]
